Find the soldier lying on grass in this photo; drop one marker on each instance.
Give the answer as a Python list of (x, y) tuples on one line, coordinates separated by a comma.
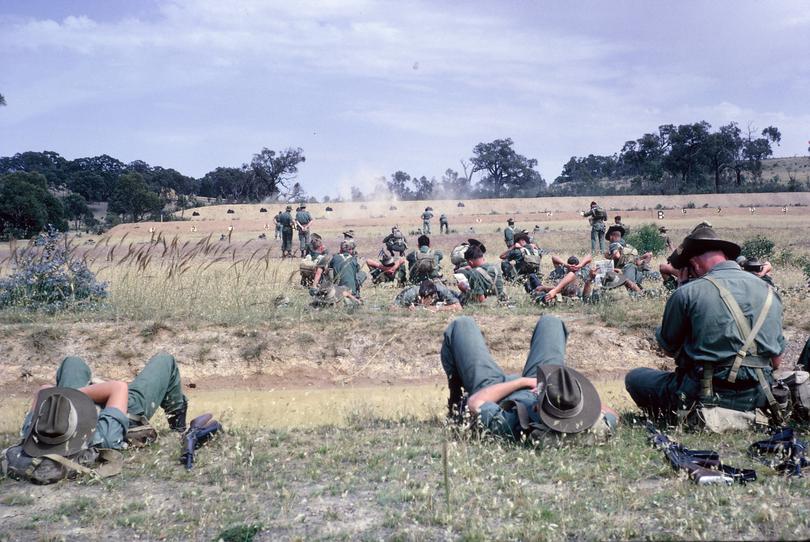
[(430, 295), (548, 399)]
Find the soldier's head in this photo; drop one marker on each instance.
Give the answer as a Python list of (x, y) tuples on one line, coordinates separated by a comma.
[(288, 208), (510, 221), (474, 255), (427, 292), (394, 229), (521, 239), (346, 247), (593, 204), (615, 233), (617, 219), (572, 261), (424, 241), (702, 249)]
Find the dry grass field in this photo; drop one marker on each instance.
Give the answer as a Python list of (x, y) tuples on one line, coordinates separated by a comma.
[(234, 315)]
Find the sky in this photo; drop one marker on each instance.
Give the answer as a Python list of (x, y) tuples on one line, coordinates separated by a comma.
[(367, 88)]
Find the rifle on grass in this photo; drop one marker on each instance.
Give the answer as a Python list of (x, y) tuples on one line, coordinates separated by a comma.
[(200, 431), (786, 447), (702, 466)]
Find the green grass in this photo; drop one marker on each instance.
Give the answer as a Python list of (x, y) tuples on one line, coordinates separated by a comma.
[(385, 479)]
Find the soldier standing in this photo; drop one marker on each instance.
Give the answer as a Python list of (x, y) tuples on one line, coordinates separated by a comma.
[(509, 233), (303, 219), (444, 226), (286, 221), (596, 217), (277, 225), (426, 216)]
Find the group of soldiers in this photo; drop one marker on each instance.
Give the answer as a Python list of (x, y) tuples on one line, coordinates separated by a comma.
[(286, 223)]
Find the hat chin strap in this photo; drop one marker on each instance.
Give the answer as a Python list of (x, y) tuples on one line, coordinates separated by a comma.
[(563, 414), (73, 421)]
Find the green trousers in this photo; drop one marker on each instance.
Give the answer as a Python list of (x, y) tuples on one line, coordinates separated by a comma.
[(597, 239), (157, 385), (469, 364)]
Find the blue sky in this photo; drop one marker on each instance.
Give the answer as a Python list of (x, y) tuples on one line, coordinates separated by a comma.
[(367, 88)]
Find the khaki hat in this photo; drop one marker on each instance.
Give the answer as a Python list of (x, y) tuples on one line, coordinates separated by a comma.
[(63, 422), (702, 239), (567, 402), (613, 280)]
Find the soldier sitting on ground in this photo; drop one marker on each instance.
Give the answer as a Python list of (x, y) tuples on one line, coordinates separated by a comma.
[(428, 294), (345, 269), (724, 329), (457, 255), (626, 259), (316, 261), (481, 279), (387, 269), (572, 279), (395, 242), (424, 263), (526, 258), (549, 400)]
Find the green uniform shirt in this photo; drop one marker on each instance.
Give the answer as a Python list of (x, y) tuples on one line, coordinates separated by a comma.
[(479, 285), (697, 320), (509, 235), (417, 276), (303, 217), (518, 255), (410, 296), (597, 224), (286, 220), (346, 269)]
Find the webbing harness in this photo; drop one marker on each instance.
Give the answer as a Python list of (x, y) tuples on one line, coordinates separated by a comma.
[(743, 358)]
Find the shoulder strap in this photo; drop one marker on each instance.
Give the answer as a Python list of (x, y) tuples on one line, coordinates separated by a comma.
[(749, 333)]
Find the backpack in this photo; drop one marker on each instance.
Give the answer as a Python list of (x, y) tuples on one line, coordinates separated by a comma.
[(51, 468), (599, 213), (531, 261), (457, 255), (424, 263)]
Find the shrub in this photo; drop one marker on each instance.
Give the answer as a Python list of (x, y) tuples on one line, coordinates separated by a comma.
[(647, 239), (690, 205), (49, 278), (760, 247)]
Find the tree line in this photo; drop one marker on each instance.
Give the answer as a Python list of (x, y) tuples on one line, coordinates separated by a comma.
[(685, 158)]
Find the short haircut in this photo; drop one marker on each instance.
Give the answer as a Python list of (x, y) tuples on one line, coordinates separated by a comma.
[(617, 218), (427, 288), (573, 260), (424, 241), (473, 253), (522, 237)]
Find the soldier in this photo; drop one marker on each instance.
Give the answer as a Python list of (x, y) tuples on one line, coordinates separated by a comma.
[(509, 233), (345, 269), (315, 262), (387, 269), (395, 242), (570, 278), (430, 295), (330, 295), (626, 259), (277, 224), (286, 221), (617, 221), (303, 222), (596, 217), (663, 231), (758, 268), (481, 279), (424, 263), (724, 329), (110, 409), (547, 400), (444, 226), (525, 255), (348, 237), (426, 216)]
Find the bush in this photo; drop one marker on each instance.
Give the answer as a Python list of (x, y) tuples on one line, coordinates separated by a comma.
[(758, 247), (647, 239), (48, 278)]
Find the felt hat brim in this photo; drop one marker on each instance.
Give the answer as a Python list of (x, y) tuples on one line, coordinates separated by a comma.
[(590, 401), (86, 419)]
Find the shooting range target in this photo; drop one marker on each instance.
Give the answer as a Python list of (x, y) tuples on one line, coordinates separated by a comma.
[(660, 215), (719, 210), (784, 210), (752, 210), (683, 211)]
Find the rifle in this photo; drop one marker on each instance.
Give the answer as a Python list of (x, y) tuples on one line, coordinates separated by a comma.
[(703, 466), (200, 431), (784, 444)]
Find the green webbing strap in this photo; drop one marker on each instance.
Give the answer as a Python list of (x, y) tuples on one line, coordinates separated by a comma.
[(110, 463), (749, 333), (489, 280), (706, 382)]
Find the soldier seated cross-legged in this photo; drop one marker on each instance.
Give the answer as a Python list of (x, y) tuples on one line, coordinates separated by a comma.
[(724, 328)]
